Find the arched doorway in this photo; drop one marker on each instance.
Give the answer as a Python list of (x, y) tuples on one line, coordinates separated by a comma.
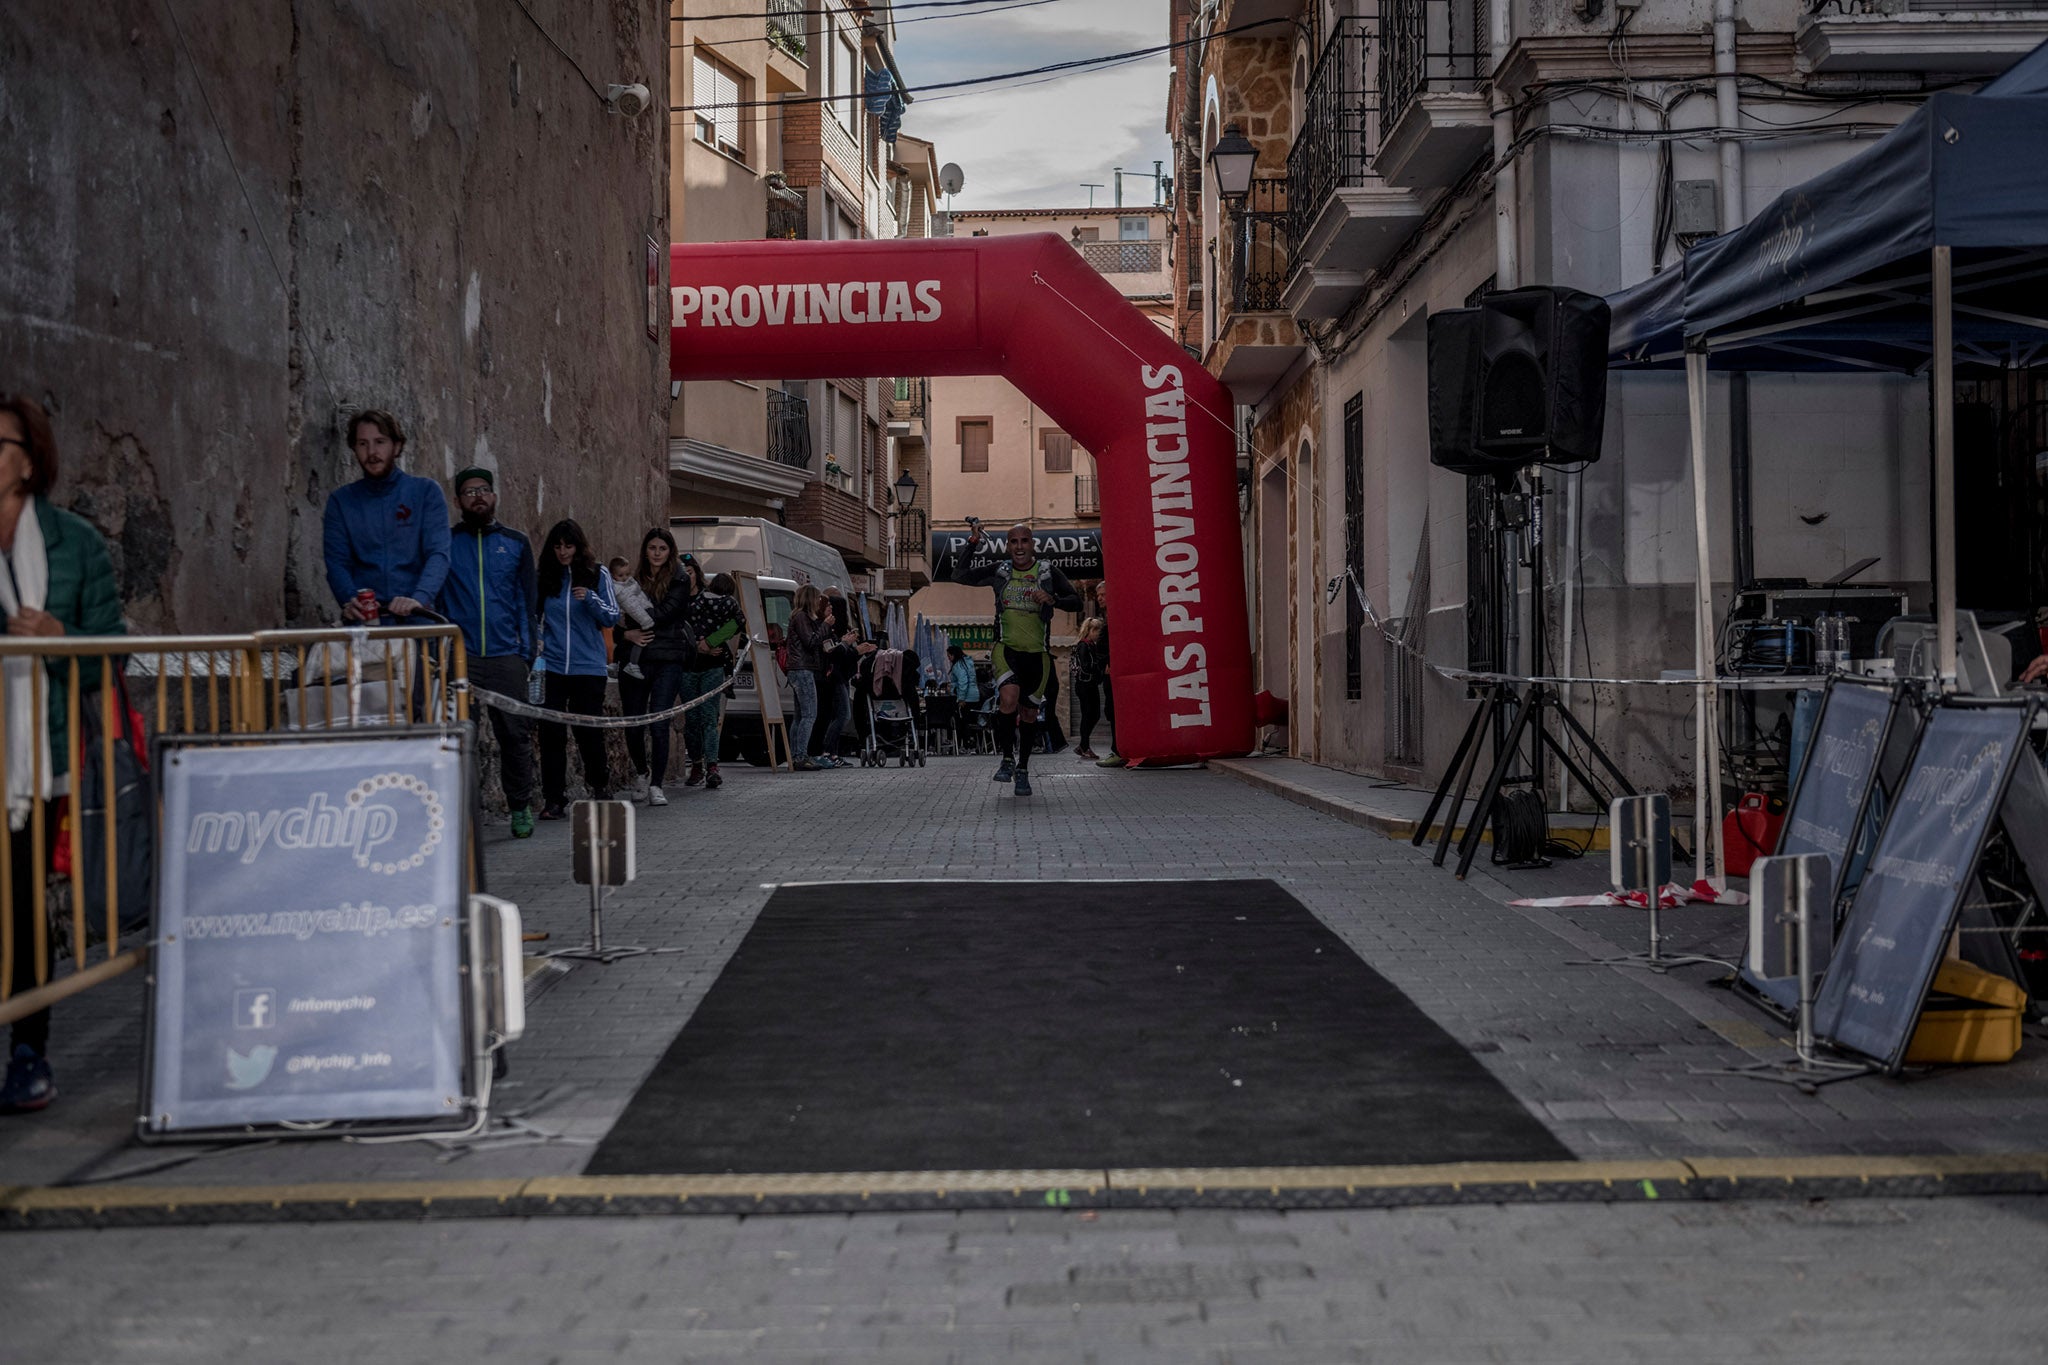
[(1029, 309)]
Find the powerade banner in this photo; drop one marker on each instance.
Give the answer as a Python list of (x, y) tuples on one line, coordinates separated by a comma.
[(1899, 924), (309, 956), (1075, 550)]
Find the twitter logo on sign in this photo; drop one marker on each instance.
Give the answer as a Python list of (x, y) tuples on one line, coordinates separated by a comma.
[(246, 1073)]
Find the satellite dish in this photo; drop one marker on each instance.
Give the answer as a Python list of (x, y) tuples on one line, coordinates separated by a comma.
[(951, 178)]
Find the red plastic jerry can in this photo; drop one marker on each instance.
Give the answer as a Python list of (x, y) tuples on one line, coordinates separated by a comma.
[(1750, 831)]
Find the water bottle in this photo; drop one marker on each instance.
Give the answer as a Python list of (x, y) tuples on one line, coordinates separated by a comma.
[(536, 687)]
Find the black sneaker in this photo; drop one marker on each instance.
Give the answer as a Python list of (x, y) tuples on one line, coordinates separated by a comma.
[(1023, 783), (28, 1086), (1006, 772), (712, 781)]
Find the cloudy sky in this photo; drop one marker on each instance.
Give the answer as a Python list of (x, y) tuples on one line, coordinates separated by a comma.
[(1033, 145)]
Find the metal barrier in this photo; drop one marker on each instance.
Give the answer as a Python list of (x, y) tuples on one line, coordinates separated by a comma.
[(226, 685)]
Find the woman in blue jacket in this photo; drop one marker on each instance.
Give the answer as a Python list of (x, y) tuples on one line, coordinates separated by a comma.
[(576, 606)]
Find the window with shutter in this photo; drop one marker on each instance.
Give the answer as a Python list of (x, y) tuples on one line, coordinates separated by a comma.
[(1059, 451), (974, 439), (716, 93)]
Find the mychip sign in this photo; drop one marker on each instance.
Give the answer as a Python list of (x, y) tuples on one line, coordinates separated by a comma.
[(308, 928)]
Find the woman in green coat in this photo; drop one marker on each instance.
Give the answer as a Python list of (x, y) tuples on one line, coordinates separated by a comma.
[(56, 578)]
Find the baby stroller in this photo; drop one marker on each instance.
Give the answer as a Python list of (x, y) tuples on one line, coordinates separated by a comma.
[(887, 683)]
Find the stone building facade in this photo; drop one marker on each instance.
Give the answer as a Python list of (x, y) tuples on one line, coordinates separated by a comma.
[(227, 226), (1415, 155)]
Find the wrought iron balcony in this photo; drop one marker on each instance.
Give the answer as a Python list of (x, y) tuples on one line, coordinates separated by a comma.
[(1125, 258), (913, 532), (910, 399), (786, 26), (1429, 47), (789, 429), (1333, 149), (1260, 242), (1087, 496), (788, 212)]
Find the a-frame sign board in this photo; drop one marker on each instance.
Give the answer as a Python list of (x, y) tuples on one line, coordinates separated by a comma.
[(1970, 757), (1837, 801)]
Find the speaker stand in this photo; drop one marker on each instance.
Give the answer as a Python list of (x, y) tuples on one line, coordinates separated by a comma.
[(1538, 712)]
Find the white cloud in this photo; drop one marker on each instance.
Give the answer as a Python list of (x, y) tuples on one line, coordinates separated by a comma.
[(1033, 146)]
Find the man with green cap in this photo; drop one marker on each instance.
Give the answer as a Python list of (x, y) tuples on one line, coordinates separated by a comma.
[(493, 594)]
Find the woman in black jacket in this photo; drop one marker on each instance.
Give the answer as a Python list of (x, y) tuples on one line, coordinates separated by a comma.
[(666, 648)]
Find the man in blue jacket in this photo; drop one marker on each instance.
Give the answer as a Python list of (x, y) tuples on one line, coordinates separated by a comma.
[(492, 593), (387, 533)]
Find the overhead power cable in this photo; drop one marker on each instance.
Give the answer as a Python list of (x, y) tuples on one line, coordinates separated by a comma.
[(831, 10), (992, 7), (1053, 68)]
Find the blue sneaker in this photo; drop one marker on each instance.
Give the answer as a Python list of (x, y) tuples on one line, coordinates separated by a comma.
[(29, 1086), (1006, 772), (1023, 783)]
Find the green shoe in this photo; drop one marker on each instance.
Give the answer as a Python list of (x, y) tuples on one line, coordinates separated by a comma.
[(522, 823), (1113, 761)]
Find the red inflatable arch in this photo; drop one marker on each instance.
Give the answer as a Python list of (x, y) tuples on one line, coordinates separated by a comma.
[(1029, 309)]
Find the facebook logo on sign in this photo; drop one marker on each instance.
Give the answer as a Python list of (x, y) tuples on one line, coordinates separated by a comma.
[(256, 1008)]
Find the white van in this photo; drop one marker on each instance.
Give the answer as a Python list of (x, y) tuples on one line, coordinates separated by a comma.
[(758, 546)]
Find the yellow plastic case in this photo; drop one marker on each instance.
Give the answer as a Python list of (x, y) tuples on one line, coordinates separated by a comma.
[(1971, 1016)]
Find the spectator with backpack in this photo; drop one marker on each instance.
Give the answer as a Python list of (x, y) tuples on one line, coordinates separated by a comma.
[(716, 619), (666, 646)]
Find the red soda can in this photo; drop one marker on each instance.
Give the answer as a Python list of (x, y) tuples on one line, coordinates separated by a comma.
[(366, 603)]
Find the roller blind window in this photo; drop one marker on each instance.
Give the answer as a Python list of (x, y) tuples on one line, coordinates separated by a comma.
[(1059, 451), (974, 437), (718, 125)]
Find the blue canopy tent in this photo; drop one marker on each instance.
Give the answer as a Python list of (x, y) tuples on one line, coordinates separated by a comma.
[(1927, 250)]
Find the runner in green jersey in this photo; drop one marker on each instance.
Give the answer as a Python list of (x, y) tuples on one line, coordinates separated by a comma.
[(1027, 594)]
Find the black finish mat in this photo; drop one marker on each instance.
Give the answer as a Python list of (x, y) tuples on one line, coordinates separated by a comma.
[(989, 1026)]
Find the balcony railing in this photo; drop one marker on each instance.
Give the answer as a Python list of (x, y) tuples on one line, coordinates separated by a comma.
[(788, 213), (786, 26), (910, 399), (1261, 246), (1428, 47), (1087, 496), (913, 532), (1125, 258), (1333, 149), (789, 429)]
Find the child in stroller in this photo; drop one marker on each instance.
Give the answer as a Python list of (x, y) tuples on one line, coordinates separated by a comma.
[(888, 688)]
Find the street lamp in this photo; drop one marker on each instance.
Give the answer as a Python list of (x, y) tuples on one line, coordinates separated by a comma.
[(906, 489), (1232, 160)]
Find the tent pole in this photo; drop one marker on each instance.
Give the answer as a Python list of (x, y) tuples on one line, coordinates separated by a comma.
[(1945, 463), (1706, 822)]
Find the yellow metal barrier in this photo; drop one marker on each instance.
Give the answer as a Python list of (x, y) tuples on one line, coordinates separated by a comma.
[(253, 684)]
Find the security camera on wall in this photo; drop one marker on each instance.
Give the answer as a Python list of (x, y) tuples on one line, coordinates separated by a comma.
[(627, 101)]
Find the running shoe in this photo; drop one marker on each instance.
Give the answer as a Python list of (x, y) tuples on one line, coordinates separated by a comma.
[(1006, 772), (1086, 755), (554, 810), (1113, 761), (1023, 783), (712, 781), (522, 823), (656, 796), (29, 1085), (696, 777)]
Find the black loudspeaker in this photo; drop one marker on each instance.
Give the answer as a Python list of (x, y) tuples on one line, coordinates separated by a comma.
[(1520, 378), (1453, 383)]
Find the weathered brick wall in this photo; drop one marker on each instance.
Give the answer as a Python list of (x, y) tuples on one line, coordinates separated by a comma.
[(218, 235)]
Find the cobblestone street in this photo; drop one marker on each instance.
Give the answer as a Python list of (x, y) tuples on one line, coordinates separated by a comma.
[(1603, 1057)]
